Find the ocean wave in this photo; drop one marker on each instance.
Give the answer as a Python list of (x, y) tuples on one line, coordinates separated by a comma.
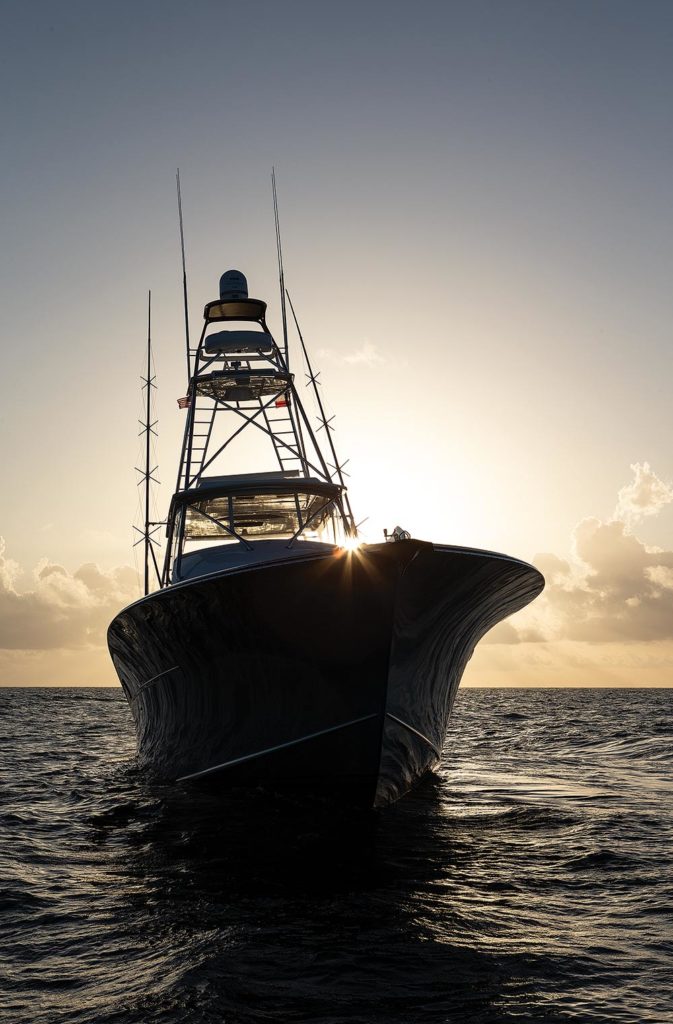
[(528, 880)]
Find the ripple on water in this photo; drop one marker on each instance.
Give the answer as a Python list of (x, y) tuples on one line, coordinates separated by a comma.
[(529, 880)]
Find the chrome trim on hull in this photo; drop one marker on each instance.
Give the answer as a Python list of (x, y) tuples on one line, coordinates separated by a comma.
[(420, 735), (150, 682), (273, 750)]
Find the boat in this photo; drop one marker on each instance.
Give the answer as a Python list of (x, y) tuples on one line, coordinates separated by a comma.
[(278, 651)]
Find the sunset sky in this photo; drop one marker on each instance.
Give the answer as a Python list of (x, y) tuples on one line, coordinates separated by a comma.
[(476, 202)]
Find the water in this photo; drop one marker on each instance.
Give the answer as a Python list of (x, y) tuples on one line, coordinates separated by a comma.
[(530, 881)]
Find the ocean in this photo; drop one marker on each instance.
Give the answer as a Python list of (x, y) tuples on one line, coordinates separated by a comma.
[(529, 880)]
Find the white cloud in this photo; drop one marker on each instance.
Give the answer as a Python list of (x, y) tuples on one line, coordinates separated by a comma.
[(614, 587), (62, 609), (9, 570), (661, 576), (644, 496), (367, 355)]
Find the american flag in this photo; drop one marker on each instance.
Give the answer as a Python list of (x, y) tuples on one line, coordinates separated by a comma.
[(184, 403)]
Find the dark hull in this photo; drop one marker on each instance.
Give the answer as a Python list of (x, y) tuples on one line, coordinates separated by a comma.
[(334, 674)]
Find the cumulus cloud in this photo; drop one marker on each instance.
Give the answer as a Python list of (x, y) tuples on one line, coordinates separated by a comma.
[(613, 587), (61, 609), (621, 594), (644, 496)]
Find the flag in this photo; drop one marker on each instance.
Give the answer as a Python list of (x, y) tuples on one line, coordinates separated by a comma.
[(281, 402), (184, 403)]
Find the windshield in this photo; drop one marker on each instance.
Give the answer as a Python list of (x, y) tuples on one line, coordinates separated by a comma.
[(255, 515)]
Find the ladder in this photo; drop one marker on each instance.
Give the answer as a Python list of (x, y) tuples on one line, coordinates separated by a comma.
[(202, 429), (280, 423)]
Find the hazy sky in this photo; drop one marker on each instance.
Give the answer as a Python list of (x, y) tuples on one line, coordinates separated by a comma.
[(476, 207)]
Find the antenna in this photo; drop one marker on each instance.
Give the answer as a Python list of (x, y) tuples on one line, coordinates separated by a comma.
[(148, 413), (281, 275), (313, 379), (147, 474), (184, 276), (281, 280)]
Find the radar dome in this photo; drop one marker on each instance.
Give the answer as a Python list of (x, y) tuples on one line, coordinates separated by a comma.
[(233, 285)]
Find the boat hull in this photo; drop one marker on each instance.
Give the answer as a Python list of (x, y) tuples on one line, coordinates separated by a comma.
[(334, 674)]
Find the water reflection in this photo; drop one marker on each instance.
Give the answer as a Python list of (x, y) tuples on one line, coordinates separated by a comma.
[(322, 910)]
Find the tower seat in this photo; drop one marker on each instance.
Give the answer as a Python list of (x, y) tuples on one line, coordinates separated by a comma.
[(234, 343)]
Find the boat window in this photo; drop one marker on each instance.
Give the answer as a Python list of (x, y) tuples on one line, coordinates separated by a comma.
[(255, 515)]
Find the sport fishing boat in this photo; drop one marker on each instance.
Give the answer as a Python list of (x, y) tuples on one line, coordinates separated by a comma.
[(277, 650)]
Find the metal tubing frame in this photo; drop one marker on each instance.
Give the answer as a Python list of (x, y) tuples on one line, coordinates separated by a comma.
[(186, 459), (298, 452), (250, 420), (296, 419)]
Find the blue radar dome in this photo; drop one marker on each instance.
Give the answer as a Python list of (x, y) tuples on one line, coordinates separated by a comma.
[(233, 285)]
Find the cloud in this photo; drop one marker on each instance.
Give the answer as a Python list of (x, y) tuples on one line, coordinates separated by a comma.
[(62, 609), (367, 355), (644, 496), (614, 588), (621, 593)]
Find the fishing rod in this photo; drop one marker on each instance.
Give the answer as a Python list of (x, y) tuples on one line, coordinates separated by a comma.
[(184, 277), (286, 354), (324, 422), (281, 274)]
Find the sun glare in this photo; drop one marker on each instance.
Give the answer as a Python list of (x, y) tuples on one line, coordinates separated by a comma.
[(351, 544)]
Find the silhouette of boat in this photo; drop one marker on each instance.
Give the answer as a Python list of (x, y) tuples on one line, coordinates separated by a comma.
[(277, 650)]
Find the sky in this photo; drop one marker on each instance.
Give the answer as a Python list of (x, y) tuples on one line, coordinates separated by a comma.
[(476, 203)]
